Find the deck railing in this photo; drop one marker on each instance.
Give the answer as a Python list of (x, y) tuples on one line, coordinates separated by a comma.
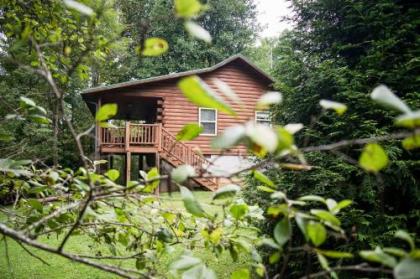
[(131, 134), (151, 135), (144, 134), (113, 136)]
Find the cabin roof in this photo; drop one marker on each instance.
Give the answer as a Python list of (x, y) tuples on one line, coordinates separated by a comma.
[(133, 83)]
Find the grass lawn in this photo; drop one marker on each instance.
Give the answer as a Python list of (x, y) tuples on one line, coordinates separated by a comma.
[(25, 266)]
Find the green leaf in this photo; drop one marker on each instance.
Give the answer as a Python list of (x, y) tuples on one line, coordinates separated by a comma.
[(262, 135), (378, 256), (35, 204), (278, 195), (285, 139), (316, 232), (383, 95), (182, 173), (293, 128), (411, 142), (268, 99), (342, 204), (226, 191), (191, 204), (185, 262), (277, 209), (106, 111), (197, 31), (338, 107), (39, 119), (227, 91), (407, 269), (409, 120), (268, 242), (200, 271), (260, 270), (263, 178), (325, 265), (415, 254), (274, 258), (326, 216), (112, 174), (313, 198), (302, 224), (335, 254), (373, 158), (230, 137), (189, 132), (26, 102), (405, 236), (199, 93), (323, 262), (238, 211), (153, 174), (242, 273), (331, 204), (82, 8), (155, 47), (282, 231), (188, 8), (395, 251), (266, 189)]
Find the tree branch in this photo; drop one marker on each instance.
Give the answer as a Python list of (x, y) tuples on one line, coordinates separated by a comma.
[(344, 143), (32, 254), (109, 268)]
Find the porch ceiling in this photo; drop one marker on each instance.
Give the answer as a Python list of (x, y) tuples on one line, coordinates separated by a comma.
[(131, 108)]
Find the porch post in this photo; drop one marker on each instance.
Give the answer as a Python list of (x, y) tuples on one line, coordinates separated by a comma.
[(127, 167), (127, 136), (159, 137)]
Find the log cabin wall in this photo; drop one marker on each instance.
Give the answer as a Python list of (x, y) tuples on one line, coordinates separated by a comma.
[(178, 111), (175, 110)]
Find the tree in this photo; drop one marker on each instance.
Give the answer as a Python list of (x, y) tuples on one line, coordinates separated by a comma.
[(232, 25), (129, 220), (338, 51), (70, 42)]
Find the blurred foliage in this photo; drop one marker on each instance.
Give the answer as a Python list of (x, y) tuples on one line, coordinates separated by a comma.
[(108, 47), (339, 51)]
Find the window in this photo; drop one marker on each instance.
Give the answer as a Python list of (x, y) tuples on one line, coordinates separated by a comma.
[(208, 120), (262, 117)]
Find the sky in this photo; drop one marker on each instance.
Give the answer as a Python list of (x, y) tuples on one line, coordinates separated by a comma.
[(270, 13)]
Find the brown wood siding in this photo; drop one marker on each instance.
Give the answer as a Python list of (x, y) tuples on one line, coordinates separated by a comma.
[(177, 110)]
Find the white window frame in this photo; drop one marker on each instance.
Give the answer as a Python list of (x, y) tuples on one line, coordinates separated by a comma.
[(207, 121), (262, 111)]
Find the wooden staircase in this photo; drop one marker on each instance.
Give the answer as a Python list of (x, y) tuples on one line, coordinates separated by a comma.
[(177, 153), (153, 138)]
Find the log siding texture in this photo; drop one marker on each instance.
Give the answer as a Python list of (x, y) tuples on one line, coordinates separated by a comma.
[(243, 77)]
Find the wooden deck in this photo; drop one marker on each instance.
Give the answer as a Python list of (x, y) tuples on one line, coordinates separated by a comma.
[(134, 138), (152, 138)]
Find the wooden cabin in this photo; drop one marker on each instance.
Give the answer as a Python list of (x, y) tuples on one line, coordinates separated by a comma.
[(152, 111)]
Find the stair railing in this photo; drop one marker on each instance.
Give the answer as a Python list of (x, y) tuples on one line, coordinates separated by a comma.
[(181, 151)]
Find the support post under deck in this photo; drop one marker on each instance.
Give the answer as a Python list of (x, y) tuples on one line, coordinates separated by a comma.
[(157, 164), (127, 167)]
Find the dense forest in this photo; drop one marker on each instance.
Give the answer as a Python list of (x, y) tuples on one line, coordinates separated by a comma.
[(334, 188)]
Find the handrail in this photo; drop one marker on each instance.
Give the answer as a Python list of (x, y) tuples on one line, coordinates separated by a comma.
[(181, 151)]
